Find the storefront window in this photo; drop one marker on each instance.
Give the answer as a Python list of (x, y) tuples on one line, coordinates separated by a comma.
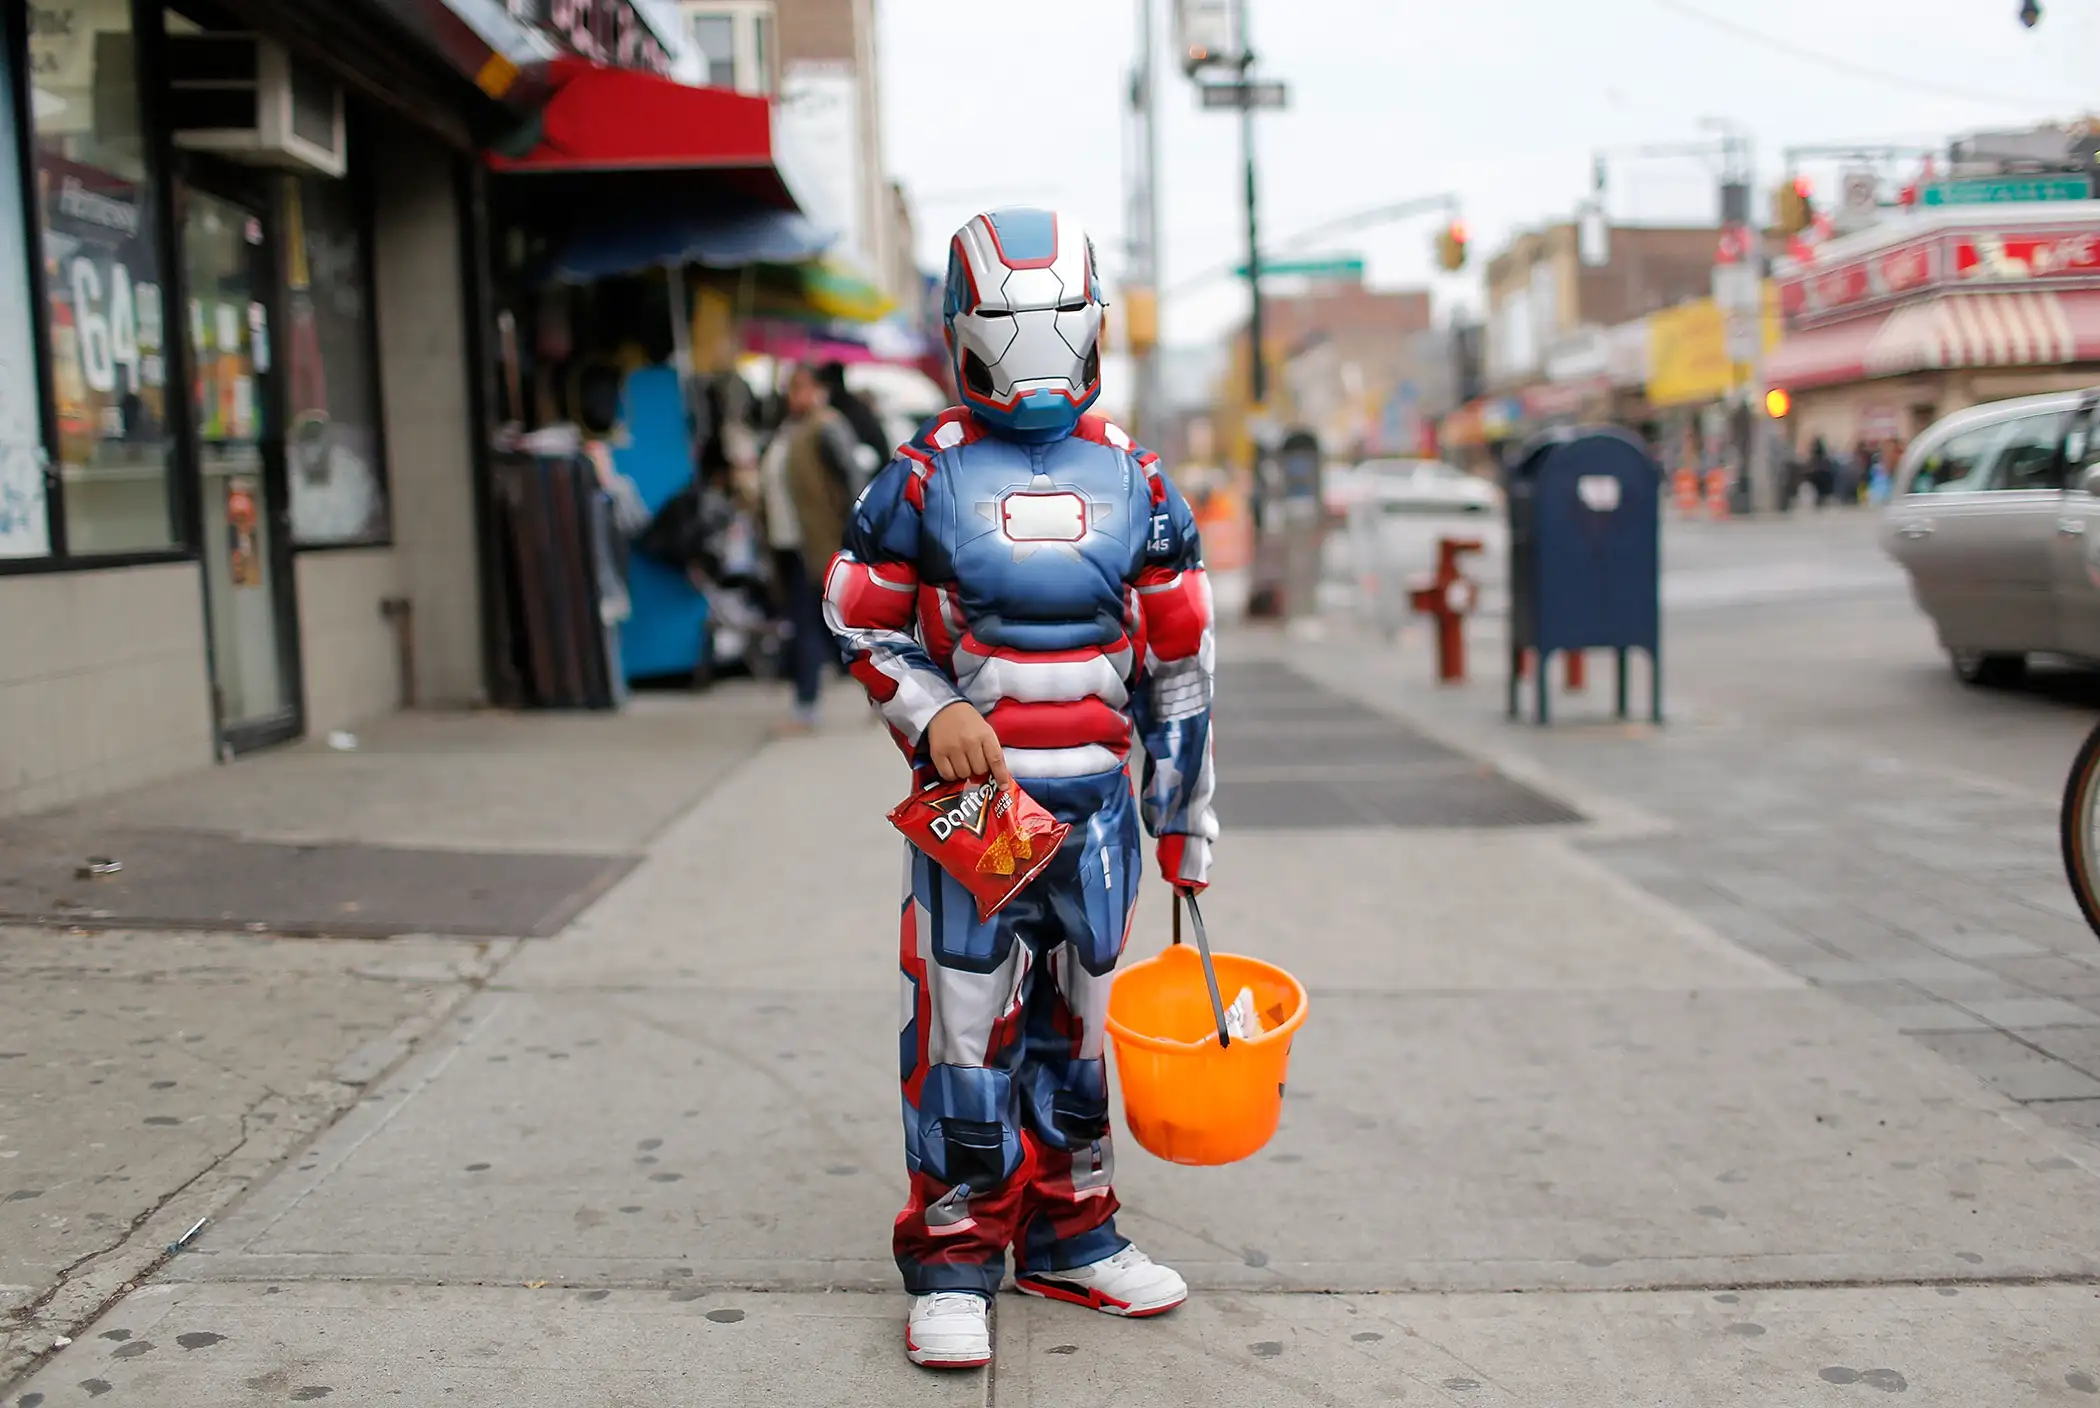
[(102, 270), (24, 519), (716, 37), (338, 484)]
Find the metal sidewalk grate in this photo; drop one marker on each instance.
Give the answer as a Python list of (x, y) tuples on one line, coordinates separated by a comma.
[(1293, 755), (204, 880)]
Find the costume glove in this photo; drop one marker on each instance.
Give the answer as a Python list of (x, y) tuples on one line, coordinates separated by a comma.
[(1184, 862)]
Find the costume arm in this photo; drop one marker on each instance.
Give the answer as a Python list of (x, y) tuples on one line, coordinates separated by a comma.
[(871, 595), (1172, 703)]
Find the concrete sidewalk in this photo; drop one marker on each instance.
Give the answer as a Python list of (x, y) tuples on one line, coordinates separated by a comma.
[(149, 1077), (655, 1160)]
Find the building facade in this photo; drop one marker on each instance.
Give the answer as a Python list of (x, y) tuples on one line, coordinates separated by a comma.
[(831, 95), (246, 362), (1928, 313), (1340, 354), (1563, 340)]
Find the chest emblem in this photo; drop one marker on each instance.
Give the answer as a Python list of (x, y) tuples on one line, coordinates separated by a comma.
[(1045, 517), (1042, 518)]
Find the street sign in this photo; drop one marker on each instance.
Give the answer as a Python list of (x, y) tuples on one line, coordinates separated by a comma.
[(1738, 287), (1740, 334), (1348, 267), (1261, 94), (1859, 200), (2007, 190)]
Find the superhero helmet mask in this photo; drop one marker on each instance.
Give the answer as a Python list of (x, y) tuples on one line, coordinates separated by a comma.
[(1023, 312)]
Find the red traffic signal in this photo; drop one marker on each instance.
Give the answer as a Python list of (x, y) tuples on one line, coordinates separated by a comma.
[(1451, 247)]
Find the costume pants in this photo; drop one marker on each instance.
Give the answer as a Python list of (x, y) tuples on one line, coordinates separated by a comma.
[(1005, 1089)]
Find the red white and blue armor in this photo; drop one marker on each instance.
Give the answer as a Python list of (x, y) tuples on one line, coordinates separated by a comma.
[(1054, 582)]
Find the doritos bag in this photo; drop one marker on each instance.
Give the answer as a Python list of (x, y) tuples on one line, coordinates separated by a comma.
[(993, 839)]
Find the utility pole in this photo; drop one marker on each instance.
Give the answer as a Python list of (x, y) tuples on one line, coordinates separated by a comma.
[(1257, 360), (1140, 324), (1153, 383)]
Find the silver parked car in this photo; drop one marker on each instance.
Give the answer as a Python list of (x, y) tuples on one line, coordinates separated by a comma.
[(1995, 514)]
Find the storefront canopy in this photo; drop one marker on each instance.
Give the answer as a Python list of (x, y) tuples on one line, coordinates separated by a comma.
[(875, 343), (638, 240), (611, 120), (1947, 331)]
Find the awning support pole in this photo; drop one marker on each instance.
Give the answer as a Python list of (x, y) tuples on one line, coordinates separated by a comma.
[(682, 342)]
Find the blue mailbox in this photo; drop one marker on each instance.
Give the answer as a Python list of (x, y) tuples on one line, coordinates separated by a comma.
[(1585, 555)]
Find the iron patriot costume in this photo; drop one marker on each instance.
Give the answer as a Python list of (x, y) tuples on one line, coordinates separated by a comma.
[(1025, 557)]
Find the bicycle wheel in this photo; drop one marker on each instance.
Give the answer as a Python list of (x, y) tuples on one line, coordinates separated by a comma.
[(2077, 823)]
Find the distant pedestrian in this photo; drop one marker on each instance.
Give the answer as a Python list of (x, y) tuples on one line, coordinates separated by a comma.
[(876, 446), (809, 483), (1822, 472)]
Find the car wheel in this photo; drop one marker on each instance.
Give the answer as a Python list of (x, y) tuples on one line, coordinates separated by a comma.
[(1986, 670)]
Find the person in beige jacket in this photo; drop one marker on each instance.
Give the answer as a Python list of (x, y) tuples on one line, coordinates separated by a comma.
[(807, 484)]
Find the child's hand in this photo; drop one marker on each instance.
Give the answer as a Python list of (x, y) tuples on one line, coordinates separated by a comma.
[(1177, 864), (962, 745)]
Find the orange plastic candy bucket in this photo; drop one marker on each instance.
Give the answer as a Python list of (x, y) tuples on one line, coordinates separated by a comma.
[(1187, 1097)]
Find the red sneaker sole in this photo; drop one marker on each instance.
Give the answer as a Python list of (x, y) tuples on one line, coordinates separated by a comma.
[(911, 1352), (1094, 1300)]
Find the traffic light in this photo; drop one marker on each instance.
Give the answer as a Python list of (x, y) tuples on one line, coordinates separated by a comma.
[(2030, 13), (1778, 403), (1797, 209), (1451, 247)]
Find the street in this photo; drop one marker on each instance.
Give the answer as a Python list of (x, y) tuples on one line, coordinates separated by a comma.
[(1760, 1051)]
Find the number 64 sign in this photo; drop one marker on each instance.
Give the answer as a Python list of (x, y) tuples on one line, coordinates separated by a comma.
[(118, 326)]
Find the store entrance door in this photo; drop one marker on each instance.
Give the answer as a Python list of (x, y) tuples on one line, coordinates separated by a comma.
[(230, 290)]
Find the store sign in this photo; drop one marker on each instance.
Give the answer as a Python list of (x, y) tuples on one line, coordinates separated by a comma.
[(1693, 359), (62, 40), (108, 343), (603, 31), (105, 295), (1893, 273), (2004, 257)]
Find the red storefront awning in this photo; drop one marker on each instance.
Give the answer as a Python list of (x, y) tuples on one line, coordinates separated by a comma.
[(1825, 356), (623, 120), (1949, 330)]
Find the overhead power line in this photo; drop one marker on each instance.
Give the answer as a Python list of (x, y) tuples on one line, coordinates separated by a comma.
[(1842, 65)]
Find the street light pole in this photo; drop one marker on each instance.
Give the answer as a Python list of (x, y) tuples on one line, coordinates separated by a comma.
[(1257, 362), (1144, 243), (1155, 404)]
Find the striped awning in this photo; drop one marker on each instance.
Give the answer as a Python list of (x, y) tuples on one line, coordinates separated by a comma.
[(1951, 330), (1974, 330)]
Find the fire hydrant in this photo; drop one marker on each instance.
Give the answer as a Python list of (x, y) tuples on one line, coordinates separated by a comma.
[(1450, 596)]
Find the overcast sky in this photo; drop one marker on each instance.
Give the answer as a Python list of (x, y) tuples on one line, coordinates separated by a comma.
[(1500, 102)]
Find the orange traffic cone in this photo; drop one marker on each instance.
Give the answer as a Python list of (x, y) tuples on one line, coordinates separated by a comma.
[(1687, 487), (1717, 493)]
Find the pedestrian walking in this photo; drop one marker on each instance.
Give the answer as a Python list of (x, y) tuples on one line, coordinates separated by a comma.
[(808, 487), (1822, 472), (875, 446)]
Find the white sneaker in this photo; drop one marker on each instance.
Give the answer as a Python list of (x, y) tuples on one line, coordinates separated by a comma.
[(949, 1330), (1128, 1283)]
